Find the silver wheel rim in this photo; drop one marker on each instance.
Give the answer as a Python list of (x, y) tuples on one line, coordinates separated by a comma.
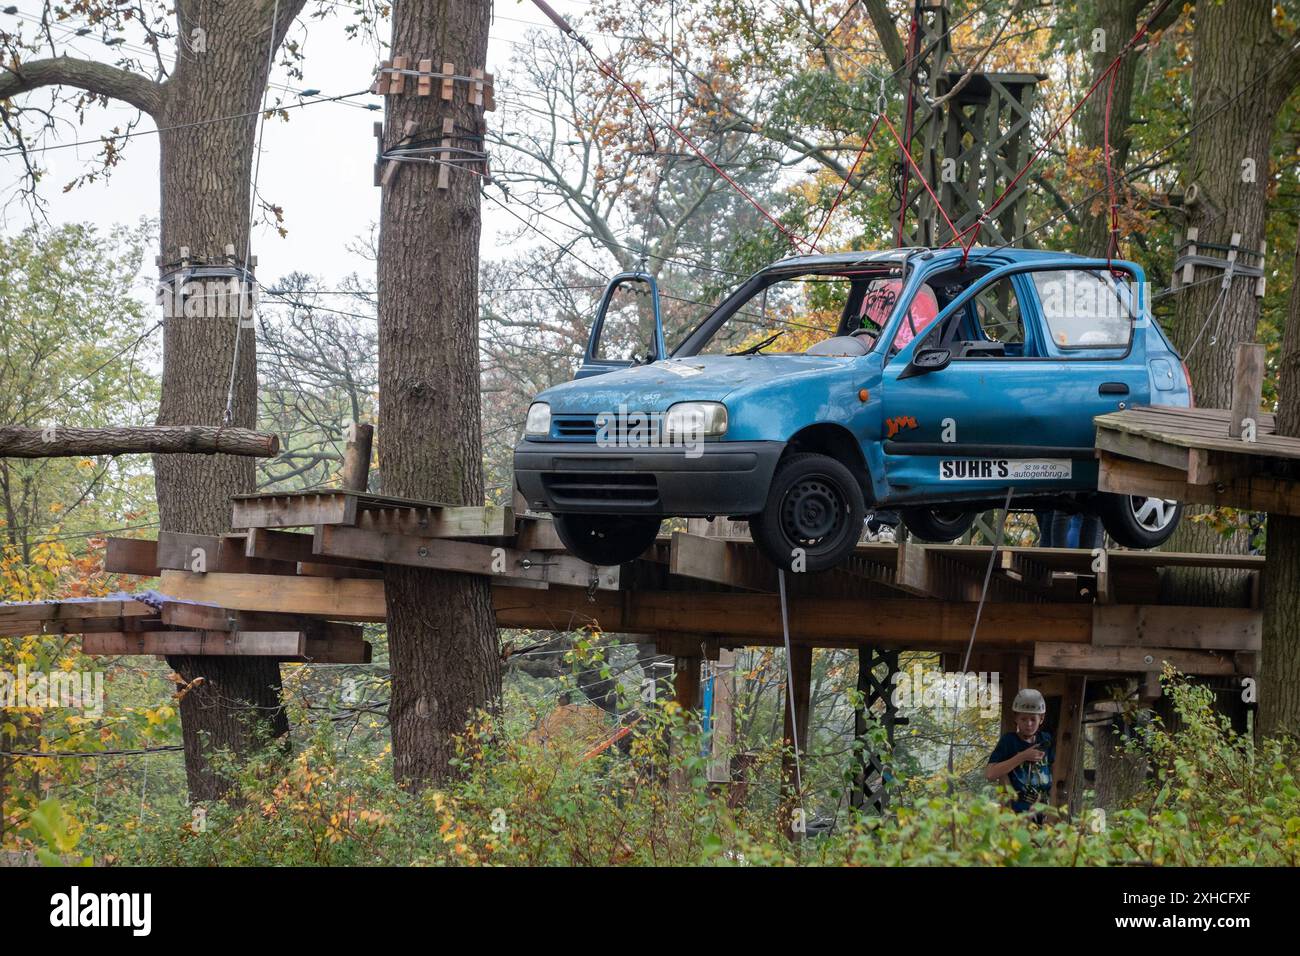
[(1153, 514)]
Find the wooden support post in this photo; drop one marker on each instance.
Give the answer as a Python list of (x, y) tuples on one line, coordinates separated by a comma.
[(356, 457), (1015, 678), (722, 722), (60, 442), (797, 697), (686, 681), (1247, 389), (1069, 739)]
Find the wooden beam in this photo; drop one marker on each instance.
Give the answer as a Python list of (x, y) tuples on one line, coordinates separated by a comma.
[(686, 682), (290, 548), (205, 617), (450, 555), (798, 697), (59, 442), (209, 552), (132, 556), (200, 643), (71, 609), (724, 562), (1125, 476), (536, 534), (356, 452), (333, 598), (443, 521), (1083, 658), (85, 625), (1196, 628)]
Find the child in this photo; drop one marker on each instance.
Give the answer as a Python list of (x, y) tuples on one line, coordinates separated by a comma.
[(1023, 757)]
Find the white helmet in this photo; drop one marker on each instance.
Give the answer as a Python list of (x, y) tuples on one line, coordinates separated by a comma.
[(1029, 701)]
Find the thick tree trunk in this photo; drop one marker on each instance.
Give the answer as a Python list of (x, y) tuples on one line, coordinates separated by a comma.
[(441, 628), (205, 182), (1279, 671), (1234, 108), (18, 442)]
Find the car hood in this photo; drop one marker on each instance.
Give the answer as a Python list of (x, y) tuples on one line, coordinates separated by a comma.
[(700, 378)]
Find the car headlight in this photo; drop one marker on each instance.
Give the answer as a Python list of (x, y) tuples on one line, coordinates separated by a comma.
[(538, 424), (695, 420)]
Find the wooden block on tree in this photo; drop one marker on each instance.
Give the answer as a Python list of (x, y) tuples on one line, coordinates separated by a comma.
[(132, 556), (489, 99), (444, 169), (398, 83), (476, 88), (424, 86), (447, 88), (380, 86)]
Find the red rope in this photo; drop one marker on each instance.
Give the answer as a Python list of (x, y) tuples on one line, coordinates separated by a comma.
[(919, 175), (908, 125), (1112, 243), (1108, 72), (852, 169)]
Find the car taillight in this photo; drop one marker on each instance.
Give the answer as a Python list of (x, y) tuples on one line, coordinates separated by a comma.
[(1191, 397)]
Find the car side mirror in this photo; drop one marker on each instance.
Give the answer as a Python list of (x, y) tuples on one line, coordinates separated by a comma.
[(925, 361)]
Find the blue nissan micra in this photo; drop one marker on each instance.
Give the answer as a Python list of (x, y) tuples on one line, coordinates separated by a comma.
[(917, 380)]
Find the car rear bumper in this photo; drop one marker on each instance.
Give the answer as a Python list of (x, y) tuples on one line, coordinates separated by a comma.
[(727, 478)]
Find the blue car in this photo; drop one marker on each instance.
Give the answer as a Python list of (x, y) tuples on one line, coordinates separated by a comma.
[(914, 380)]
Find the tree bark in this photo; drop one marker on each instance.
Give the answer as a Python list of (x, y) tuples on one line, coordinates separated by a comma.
[(1279, 659), (205, 186), (441, 628), (60, 442), (1238, 89)]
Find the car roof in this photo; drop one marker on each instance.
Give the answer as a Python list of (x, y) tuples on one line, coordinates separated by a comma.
[(897, 256)]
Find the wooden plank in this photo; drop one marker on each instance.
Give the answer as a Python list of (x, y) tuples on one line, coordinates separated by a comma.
[(443, 521), (472, 558), (336, 651), (86, 625), (132, 556), (205, 617), (536, 534), (208, 552), (199, 643), (721, 561), (312, 569), (293, 511), (333, 598), (72, 609), (1197, 628), (1142, 449), (1052, 656)]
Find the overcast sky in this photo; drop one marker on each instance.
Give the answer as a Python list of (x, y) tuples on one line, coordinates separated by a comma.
[(318, 166)]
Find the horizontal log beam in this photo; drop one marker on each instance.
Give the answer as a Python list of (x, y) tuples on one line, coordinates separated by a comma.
[(1084, 658), (59, 442), (337, 599), (75, 609)]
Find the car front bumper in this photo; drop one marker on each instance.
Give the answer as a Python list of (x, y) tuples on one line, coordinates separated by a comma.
[(727, 478)]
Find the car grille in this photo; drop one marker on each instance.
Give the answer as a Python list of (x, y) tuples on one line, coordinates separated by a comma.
[(585, 428), (596, 488)]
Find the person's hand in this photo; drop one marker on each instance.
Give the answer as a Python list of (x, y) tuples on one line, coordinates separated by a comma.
[(1032, 754)]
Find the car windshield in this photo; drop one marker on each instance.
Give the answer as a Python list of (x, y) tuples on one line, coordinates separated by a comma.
[(792, 313)]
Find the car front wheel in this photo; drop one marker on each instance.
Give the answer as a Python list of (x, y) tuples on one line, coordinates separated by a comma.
[(607, 539), (813, 516), (1136, 522)]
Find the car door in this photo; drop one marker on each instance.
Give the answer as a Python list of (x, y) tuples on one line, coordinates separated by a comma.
[(628, 329), (1011, 407)]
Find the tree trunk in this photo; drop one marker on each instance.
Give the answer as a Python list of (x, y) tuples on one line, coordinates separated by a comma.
[(441, 627), (205, 182), (1234, 108), (1279, 660)]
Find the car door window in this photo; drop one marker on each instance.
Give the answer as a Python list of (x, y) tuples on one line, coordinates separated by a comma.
[(628, 331), (1083, 309), (998, 313)]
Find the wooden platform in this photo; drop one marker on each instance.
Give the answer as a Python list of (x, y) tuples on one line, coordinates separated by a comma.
[(300, 595), (1187, 454)]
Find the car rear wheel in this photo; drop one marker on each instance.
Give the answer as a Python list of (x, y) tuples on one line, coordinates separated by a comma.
[(813, 516), (607, 539), (937, 525), (1136, 522)]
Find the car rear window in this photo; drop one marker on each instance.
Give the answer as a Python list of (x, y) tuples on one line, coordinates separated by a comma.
[(1083, 309)]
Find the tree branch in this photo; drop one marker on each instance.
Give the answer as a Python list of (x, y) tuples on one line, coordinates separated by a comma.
[(98, 78)]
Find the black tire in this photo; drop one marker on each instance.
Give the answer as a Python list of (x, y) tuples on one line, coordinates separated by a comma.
[(815, 503), (607, 540), (1138, 522), (937, 525)]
